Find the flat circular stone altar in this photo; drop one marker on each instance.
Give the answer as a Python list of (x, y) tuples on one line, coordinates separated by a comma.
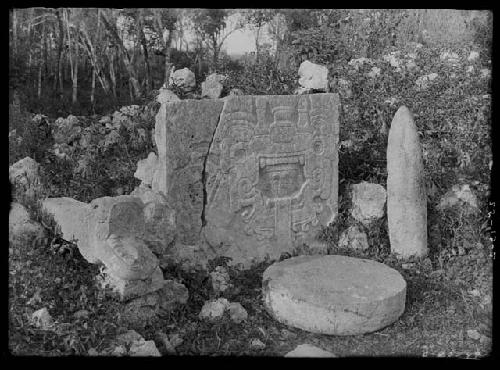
[(331, 294)]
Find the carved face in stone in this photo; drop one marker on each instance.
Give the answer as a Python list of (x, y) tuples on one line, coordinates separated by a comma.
[(119, 240)]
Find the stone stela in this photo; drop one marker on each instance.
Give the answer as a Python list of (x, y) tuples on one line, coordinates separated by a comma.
[(270, 177)]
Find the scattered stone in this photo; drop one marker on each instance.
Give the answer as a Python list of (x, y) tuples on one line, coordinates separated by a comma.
[(214, 309), (450, 58), (21, 226), (119, 351), (183, 79), (406, 196), (236, 91), (220, 279), (308, 350), (313, 76), (82, 314), (353, 238), (212, 86), (344, 87), (475, 292), (146, 169), (473, 56), (144, 349), (368, 201), (469, 69), (42, 319), (141, 311), (166, 96), (257, 344), (407, 266), (423, 81), (172, 295), (129, 337), (459, 195), (334, 294), (485, 73), (375, 71), (24, 175), (237, 312), (66, 130), (357, 63), (92, 352), (393, 59), (473, 334)]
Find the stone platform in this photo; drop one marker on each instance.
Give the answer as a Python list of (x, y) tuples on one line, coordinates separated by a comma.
[(332, 294)]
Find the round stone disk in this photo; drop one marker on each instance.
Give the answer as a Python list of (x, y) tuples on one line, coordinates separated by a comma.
[(332, 294)]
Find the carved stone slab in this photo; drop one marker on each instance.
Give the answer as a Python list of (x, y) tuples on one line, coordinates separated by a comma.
[(271, 174), (183, 133)]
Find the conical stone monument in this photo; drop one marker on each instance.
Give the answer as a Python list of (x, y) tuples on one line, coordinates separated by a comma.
[(406, 197)]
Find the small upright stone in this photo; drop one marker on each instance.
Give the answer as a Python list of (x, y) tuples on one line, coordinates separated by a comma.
[(368, 202), (313, 76), (406, 197), (307, 350), (212, 86)]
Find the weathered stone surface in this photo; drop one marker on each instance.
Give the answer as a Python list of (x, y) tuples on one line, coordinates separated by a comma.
[(159, 218), (141, 311), (313, 76), (406, 197), (308, 350), (172, 294), (42, 319), (368, 202), (212, 86), (353, 238), (24, 175), (237, 312), (20, 224), (166, 96), (66, 130), (183, 134), (460, 195), (220, 279), (214, 309), (144, 349), (146, 169), (184, 79), (271, 174), (110, 230), (331, 294)]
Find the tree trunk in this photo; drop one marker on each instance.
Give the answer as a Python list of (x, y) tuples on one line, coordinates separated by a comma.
[(92, 90), (14, 32), (39, 90), (60, 53), (75, 76), (112, 73), (142, 38)]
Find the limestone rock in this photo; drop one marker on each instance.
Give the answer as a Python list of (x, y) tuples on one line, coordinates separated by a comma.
[(220, 279), (214, 309), (183, 133), (237, 312), (353, 238), (159, 218), (271, 175), (236, 91), (257, 344), (345, 88), (184, 79), (20, 224), (129, 337), (110, 230), (368, 202), (141, 311), (406, 196), (313, 76), (188, 257), (450, 58), (166, 96), (460, 195), (42, 319), (333, 294), (145, 348), (374, 72), (24, 175), (423, 81), (212, 86), (146, 169), (473, 56), (66, 130), (173, 294), (308, 350)]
